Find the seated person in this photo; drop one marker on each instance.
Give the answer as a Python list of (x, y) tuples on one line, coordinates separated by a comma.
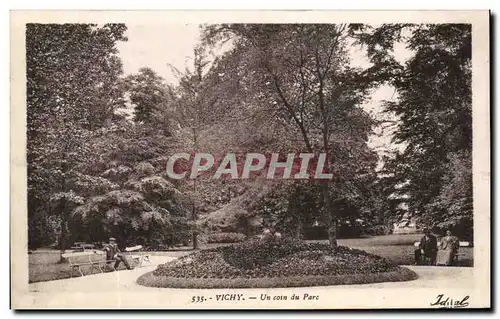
[(113, 253), (447, 249), (427, 248)]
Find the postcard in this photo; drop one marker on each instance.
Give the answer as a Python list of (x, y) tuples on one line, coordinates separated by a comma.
[(250, 160)]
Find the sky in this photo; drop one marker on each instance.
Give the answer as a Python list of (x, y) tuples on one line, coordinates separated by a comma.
[(157, 46)]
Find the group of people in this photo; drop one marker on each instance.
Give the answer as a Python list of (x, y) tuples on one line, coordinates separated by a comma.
[(442, 253)]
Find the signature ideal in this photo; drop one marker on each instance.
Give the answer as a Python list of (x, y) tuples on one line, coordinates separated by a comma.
[(443, 301)]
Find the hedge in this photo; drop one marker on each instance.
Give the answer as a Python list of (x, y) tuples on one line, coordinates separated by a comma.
[(225, 238)]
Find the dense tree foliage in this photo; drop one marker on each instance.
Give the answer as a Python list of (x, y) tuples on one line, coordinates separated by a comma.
[(279, 88), (147, 92), (300, 75), (90, 171), (73, 89), (141, 205), (434, 109)]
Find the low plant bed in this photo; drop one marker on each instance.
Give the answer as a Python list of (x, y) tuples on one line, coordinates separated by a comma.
[(225, 238), (275, 264)]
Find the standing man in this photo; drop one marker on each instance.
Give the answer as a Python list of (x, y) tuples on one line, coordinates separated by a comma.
[(113, 253), (426, 248)]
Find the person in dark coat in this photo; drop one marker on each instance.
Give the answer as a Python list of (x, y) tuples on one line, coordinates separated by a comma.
[(114, 253), (426, 248)]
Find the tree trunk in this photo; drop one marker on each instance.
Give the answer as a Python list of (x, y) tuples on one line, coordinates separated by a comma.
[(332, 221), (195, 233), (332, 231), (299, 228), (62, 238), (297, 223), (195, 240)]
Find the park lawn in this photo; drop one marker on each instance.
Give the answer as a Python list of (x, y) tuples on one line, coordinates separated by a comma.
[(44, 266), (388, 240)]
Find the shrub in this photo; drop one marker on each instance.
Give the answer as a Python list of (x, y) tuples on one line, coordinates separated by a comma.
[(225, 238), (315, 233), (377, 230)]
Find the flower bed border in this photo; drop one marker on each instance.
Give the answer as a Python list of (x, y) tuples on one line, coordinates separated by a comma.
[(150, 280)]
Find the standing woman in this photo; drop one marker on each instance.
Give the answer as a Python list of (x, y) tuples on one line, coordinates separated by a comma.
[(447, 249)]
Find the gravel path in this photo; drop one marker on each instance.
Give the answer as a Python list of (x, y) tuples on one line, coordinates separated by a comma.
[(430, 277)]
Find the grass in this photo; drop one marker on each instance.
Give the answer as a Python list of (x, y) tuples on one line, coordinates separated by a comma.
[(399, 248), (150, 280), (44, 266), (388, 240)]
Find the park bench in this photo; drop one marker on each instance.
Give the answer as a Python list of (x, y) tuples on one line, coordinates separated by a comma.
[(82, 246), (76, 260), (140, 258), (457, 254), (97, 259)]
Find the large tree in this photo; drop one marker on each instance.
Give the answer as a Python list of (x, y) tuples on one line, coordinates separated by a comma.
[(125, 190), (147, 92), (434, 111), (73, 89), (300, 75)]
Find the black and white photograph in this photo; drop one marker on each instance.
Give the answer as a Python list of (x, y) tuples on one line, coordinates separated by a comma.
[(250, 160)]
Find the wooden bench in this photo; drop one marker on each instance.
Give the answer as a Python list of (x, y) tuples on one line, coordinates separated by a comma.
[(457, 254), (140, 258), (81, 247), (78, 259), (97, 259)]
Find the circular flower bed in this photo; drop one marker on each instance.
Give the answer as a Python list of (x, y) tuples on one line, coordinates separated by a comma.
[(275, 264)]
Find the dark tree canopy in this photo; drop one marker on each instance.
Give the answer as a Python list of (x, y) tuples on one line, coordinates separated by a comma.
[(434, 109)]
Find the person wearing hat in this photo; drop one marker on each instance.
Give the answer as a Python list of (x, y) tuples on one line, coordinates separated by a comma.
[(113, 253), (426, 248)]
